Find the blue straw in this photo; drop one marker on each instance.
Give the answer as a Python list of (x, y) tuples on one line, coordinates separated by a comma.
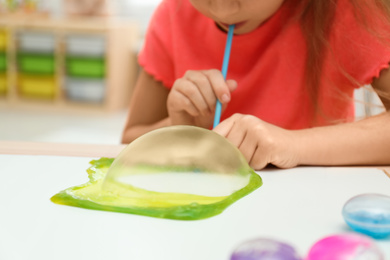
[(225, 64)]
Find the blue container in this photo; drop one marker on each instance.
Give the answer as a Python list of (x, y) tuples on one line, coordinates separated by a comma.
[(368, 214)]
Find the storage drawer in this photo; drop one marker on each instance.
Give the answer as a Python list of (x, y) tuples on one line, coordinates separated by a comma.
[(85, 67), (86, 90), (32, 63), (81, 45), (3, 40), (37, 86), (36, 42), (3, 84), (3, 62)]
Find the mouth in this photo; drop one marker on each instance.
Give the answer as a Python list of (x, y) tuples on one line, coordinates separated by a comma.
[(236, 25)]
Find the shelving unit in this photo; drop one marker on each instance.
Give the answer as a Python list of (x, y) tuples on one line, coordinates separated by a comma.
[(67, 64)]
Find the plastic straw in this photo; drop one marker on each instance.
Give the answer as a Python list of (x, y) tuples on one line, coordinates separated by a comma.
[(225, 64)]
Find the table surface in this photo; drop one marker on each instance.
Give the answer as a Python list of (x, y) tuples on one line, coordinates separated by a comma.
[(298, 206)]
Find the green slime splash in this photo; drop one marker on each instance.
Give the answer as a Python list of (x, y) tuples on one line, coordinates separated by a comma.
[(204, 159), (91, 196)]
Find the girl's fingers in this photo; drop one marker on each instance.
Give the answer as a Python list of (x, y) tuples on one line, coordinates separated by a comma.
[(239, 130), (261, 143), (253, 150), (258, 161), (212, 86), (196, 94), (225, 126), (236, 135), (232, 84), (200, 80), (184, 104), (191, 92), (219, 85), (246, 140), (248, 147)]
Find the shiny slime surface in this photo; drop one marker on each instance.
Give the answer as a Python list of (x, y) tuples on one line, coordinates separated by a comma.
[(180, 172), (345, 247), (264, 249)]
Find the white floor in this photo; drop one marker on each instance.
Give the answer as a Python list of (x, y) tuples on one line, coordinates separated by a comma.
[(41, 126)]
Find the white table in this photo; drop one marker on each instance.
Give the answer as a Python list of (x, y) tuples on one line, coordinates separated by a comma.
[(297, 206)]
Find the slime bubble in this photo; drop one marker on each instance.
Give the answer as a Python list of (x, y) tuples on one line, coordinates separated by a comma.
[(264, 249), (368, 214), (180, 172), (345, 247)]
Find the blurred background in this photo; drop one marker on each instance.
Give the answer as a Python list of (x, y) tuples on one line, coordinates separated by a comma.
[(68, 68)]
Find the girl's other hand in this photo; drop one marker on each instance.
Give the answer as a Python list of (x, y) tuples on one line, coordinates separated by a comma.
[(193, 97), (261, 143)]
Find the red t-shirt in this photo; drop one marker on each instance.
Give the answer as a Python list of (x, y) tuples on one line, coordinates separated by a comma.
[(268, 63)]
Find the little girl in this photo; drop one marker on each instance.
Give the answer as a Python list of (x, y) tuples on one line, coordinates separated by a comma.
[(288, 97)]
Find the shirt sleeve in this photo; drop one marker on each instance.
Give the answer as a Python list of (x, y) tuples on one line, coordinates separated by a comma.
[(359, 46), (156, 55)]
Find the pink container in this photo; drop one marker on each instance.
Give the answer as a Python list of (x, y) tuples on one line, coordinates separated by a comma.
[(345, 247)]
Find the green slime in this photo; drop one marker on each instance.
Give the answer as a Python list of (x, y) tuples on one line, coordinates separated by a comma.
[(143, 202), (201, 157)]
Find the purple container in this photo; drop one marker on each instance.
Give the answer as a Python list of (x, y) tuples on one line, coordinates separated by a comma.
[(264, 249)]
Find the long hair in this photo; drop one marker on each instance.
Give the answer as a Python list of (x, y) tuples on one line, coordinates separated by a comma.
[(316, 19)]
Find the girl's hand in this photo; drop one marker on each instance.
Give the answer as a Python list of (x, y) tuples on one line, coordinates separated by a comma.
[(261, 143), (193, 97)]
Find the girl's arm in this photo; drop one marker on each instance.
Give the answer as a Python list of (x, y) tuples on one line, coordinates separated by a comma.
[(365, 142), (148, 109)]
